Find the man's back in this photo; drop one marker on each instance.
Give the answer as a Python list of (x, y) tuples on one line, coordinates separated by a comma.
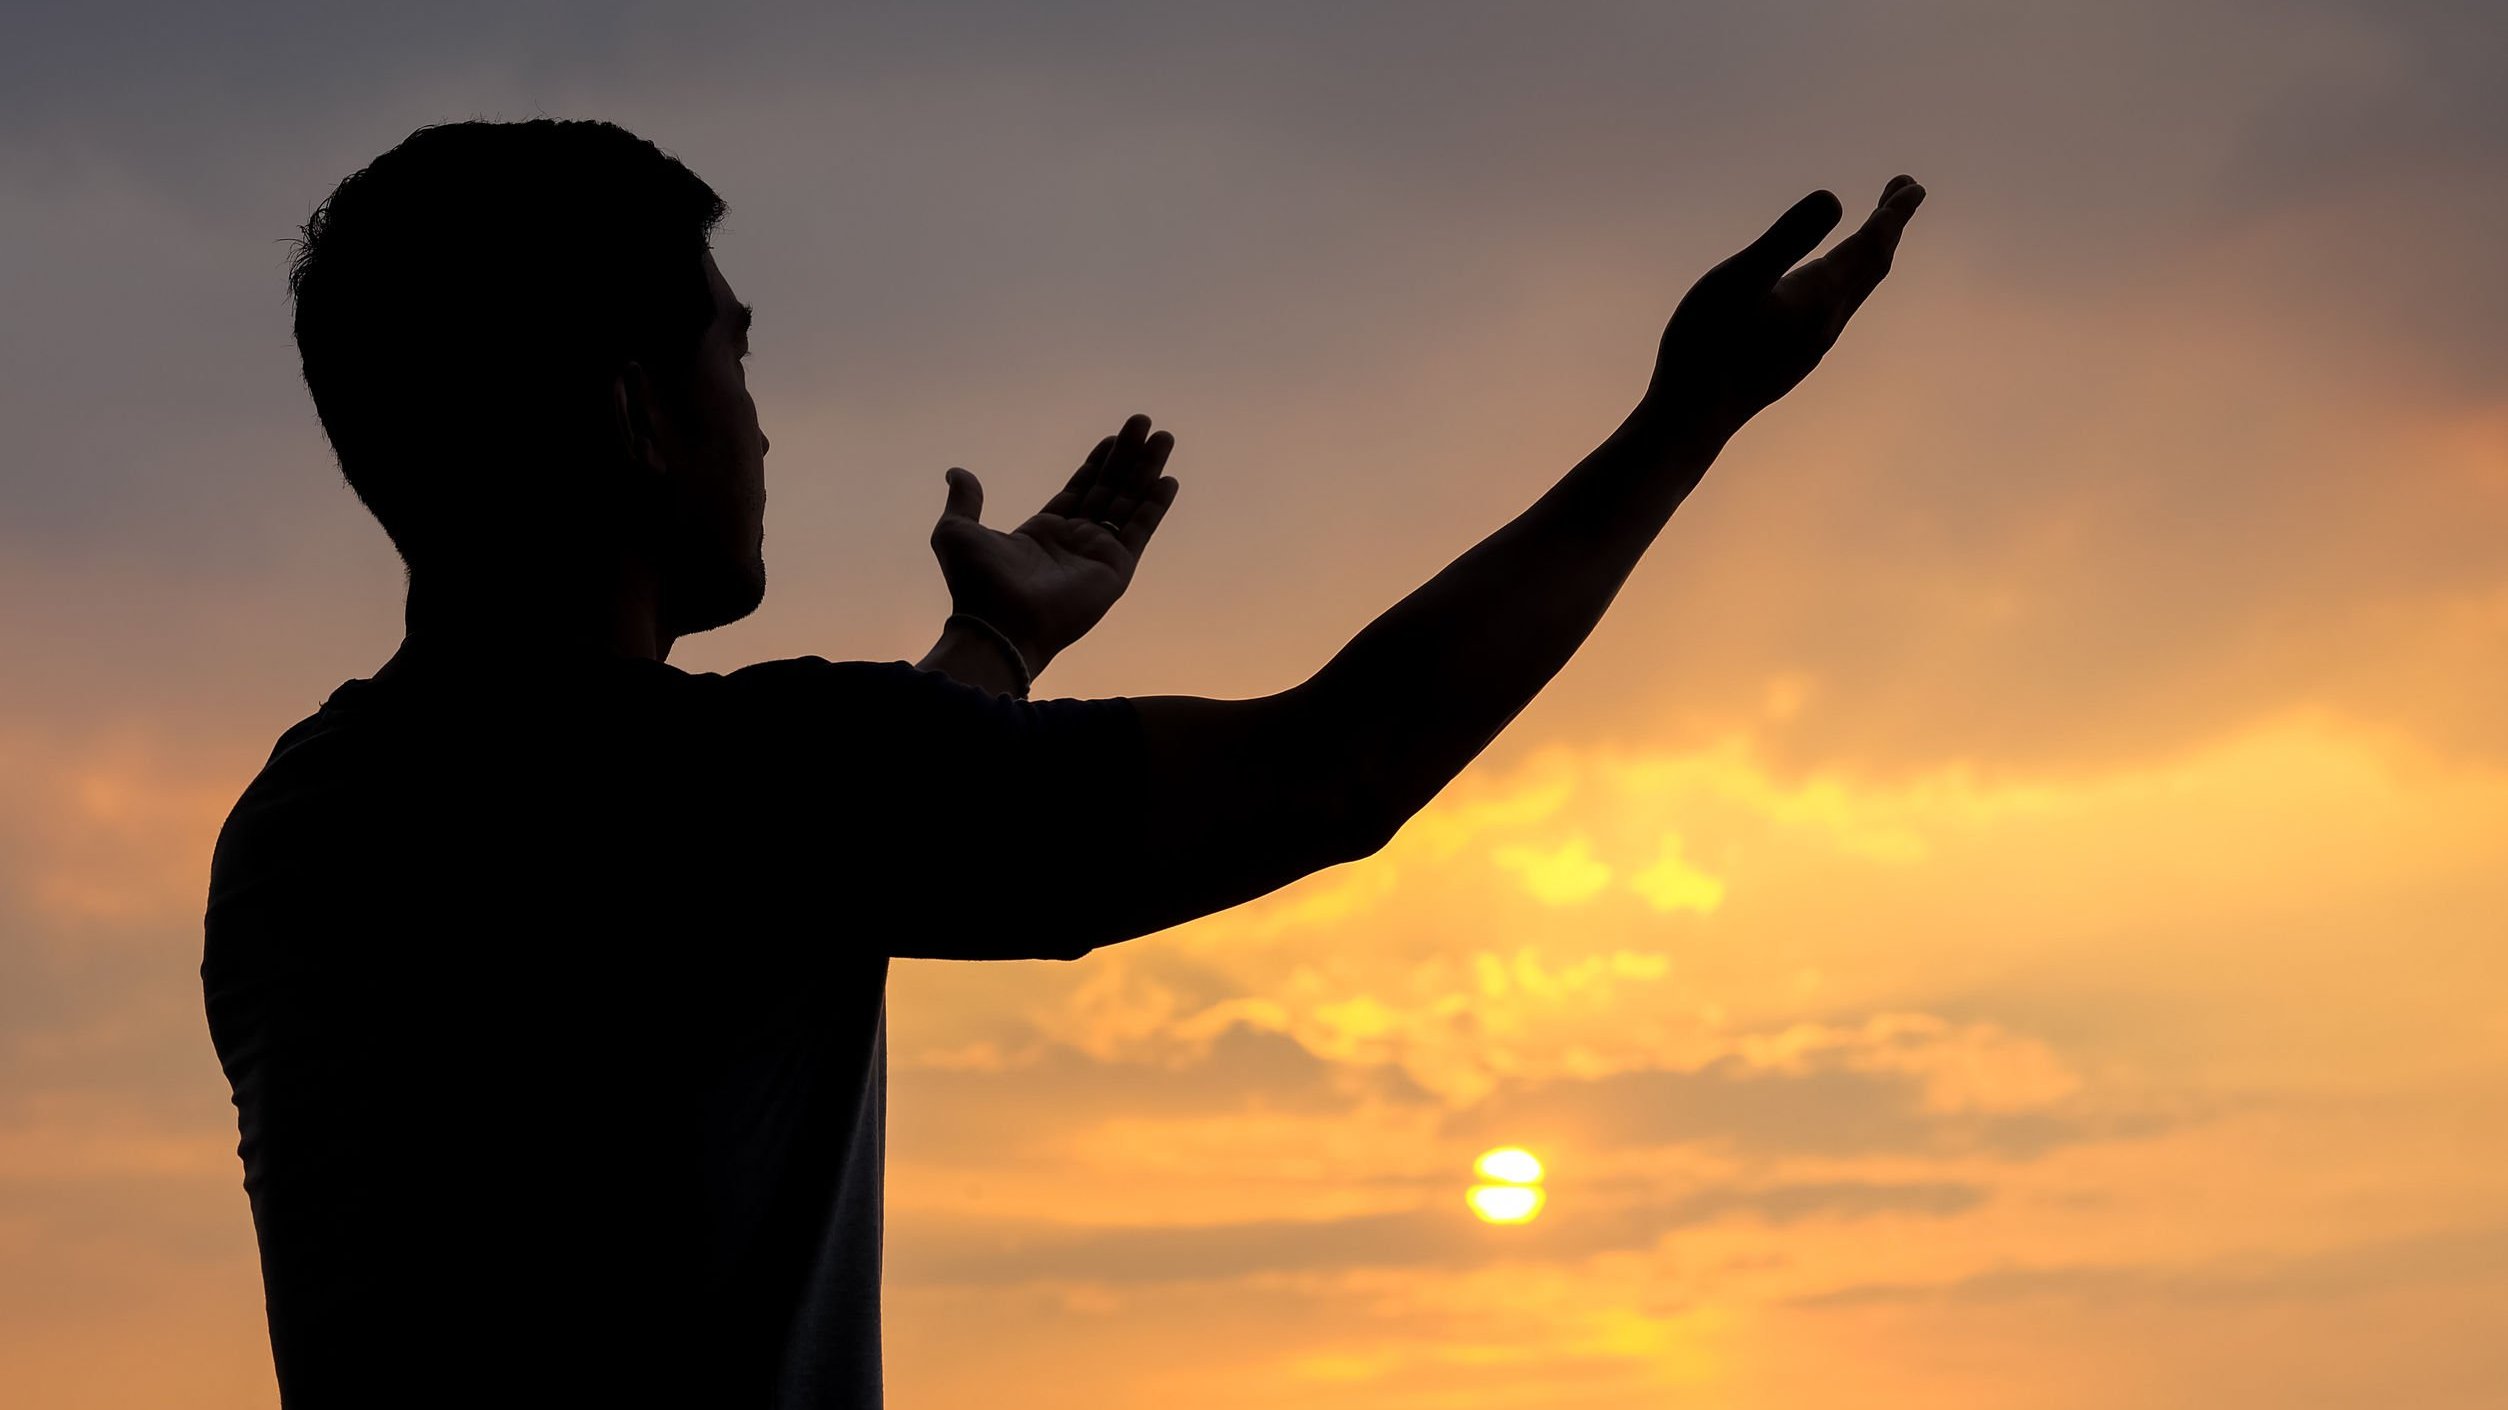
[(552, 1001)]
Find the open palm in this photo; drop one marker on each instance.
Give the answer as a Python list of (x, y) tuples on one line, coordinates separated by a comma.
[(1047, 582), (1754, 326)]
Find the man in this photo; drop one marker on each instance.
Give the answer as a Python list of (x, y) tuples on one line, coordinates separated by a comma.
[(549, 977)]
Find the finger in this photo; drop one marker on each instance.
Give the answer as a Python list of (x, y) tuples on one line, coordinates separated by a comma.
[(1152, 460), (1129, 442), (1067, 498), (1144, 521), (966, 495), (1796, 233), (1867, 252), (1147, 466), (1863, 259)]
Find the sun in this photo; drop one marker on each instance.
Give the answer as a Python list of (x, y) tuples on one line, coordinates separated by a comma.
[(1512, 1164), (1514, 1195)]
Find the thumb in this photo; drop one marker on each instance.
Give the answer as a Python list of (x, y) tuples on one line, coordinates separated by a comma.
[(966, 495), (1796, 233)]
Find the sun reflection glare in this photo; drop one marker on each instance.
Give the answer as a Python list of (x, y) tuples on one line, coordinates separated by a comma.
[(1506, 1204)]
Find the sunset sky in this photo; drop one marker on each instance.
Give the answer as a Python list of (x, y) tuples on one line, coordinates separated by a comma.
[(2009, 909)]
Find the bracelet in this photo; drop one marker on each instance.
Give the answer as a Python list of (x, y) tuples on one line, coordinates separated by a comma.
[(1018, 663)]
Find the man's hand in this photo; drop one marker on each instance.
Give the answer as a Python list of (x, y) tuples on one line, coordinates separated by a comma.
[(1749, 331), (1047, 582)]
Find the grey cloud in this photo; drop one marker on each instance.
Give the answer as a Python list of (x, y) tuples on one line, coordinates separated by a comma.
[(1826, 1111), (2454, 1256), (973, 1251), (941, 1113), (1837, 1199)]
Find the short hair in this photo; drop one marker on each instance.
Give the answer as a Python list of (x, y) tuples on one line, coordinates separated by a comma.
[(462, 304)]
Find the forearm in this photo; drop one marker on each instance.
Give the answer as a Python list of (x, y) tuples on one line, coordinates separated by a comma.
[(1418, 694)]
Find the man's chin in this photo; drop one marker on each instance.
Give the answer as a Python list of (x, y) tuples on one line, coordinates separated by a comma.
[(725, 601)]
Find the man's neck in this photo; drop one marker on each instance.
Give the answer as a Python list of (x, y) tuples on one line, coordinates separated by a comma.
[(589, 616)]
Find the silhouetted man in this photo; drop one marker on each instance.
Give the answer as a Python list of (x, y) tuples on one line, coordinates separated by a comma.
[(549, 977)]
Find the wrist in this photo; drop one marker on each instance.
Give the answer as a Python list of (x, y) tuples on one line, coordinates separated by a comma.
[(1676, 426), (973, 650), (1004, 626)]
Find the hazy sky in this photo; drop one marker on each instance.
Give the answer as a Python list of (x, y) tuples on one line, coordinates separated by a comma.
[(2007, 909)]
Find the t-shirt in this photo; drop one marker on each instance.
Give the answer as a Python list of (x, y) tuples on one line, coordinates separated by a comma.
[(552, 998)]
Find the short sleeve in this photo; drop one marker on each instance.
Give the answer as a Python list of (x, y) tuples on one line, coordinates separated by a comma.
[(936, 819)]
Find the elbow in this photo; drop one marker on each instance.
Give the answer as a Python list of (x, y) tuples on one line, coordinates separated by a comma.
[(1354, 843), (1347, 783), (1335, 819), (1366, 825)]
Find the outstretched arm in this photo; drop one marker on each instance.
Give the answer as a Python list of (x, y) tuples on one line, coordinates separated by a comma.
[(1249, 795), (1044, 584)]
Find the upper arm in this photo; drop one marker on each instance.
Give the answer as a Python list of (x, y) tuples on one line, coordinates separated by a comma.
[(970, 825), (926, 816), (1244, 797)]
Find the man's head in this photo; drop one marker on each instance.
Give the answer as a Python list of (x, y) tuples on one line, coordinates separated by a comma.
[(528, 364)]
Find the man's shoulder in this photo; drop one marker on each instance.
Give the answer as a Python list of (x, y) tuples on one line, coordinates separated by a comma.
[(820, 673), (869, 688)]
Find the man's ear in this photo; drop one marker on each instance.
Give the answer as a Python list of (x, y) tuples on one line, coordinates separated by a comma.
[(634, 407)]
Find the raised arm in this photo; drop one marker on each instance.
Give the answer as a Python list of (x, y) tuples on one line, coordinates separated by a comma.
[(1246, 796)]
